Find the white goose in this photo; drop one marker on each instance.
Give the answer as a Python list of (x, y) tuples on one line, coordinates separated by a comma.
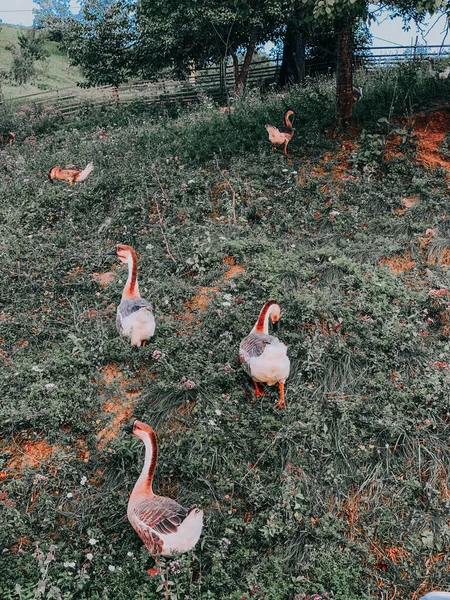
[(263, 356), (135, 319), (162, 524), (283, 134), (436, 596)]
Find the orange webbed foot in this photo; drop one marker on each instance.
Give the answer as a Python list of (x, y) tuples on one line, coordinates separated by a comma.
[(258, 392), (281, 403)]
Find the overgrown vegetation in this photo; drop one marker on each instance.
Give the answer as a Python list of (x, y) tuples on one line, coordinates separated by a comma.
[(343, 494), (51, 73)]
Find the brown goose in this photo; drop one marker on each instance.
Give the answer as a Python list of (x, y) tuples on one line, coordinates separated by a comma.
[(281, 135), (70, 174), (135, 319), (263, 356), (162, 524)]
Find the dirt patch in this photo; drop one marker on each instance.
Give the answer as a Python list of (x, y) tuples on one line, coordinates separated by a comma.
[(431, 130), (120, 396), (27, 453), (199, 302), (121, 411), (234, 268), (407, 202), (398, 263), (104, 279)]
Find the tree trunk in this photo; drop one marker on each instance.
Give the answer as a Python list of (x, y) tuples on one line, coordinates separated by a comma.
[(344, 73), (235, 68), (292, 69), (242, 78)]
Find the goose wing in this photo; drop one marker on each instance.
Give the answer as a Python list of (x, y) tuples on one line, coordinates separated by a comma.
[(283, 129), (253, 346), (127, 308), (161, 514)]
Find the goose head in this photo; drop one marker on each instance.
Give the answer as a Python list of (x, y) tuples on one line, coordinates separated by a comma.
[(124, 253), (139, 429)]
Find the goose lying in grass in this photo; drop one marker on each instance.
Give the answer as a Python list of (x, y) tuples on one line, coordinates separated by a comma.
[(162, 524), (71, 175), (281, 135), (263, 356), (135, 319)]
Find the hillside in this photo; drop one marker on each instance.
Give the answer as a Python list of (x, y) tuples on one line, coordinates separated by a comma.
[(53, 73), (343, 494)]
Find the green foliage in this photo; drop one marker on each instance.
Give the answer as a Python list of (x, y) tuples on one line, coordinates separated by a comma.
[(31, 49), (102, 42), (32, 43), (347, 487)]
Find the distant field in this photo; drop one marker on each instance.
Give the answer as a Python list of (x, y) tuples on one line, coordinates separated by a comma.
[(53, 73)]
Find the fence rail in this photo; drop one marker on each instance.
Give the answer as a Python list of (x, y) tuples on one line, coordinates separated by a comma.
[(69, 100)]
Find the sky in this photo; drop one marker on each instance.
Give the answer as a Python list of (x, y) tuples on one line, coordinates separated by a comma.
[(387, 32)]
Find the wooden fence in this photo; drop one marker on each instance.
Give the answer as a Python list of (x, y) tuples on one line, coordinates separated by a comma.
[(210, 82)]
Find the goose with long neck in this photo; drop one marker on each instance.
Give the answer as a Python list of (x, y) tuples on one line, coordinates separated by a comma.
[(281, 135), (162, 524), (135, 319), (263, 356)]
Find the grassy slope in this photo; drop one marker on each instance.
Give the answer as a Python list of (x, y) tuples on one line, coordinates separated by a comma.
[(347, 490), (53, 73)]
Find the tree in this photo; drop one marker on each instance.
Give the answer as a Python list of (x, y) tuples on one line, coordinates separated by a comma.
[(32, 42), (178, 32), (342, 14), (50, 15), (101, 41), (31, 49)]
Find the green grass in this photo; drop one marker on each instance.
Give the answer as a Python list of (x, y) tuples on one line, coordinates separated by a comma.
[(53, 73), (343, 492)]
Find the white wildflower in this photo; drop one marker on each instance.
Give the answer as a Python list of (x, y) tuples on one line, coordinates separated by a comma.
[(83, 480), (70, 495), (212, 423), (130, 554), (37, 369), (50, 386), (89, 556), (218, 412), (69, 565), (111, 568), (93, 541)]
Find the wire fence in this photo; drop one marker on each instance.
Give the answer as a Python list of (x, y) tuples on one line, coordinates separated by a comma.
[(213, 82)]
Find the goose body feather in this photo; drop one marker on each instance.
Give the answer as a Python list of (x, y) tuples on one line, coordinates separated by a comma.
[(135, 320), (264, 358), (164, 525)]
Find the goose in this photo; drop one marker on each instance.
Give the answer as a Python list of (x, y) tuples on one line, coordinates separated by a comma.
[(431, 70), (445, 73), (70, 174), (162, 524), (357, 94), (281, 135), (263, 356), (436, 596), (135, 319)]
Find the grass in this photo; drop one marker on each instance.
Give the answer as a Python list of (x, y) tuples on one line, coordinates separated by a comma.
[(53, 73), (345, 493)]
